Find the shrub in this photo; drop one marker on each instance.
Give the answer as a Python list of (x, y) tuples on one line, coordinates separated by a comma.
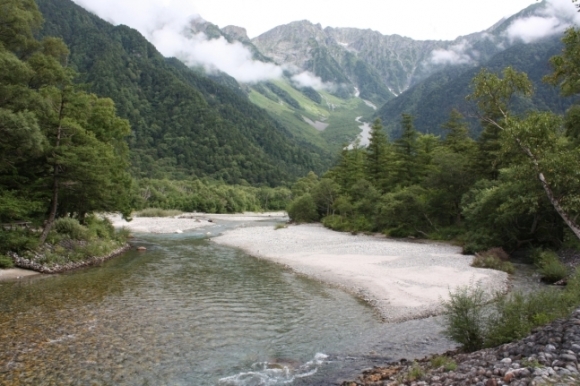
[(17, 240), (510, 317), (280, 226), (415, 372), (446, 363), (516, 314), (495, 258), (550, 266), (303, 209), (465, 320), (101, 228), (71, 227), (6, 262)]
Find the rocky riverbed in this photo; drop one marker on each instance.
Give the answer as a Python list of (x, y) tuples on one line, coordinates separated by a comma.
[(549, 356)]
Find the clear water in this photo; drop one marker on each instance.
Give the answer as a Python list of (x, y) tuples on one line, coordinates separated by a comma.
[(190, 312)]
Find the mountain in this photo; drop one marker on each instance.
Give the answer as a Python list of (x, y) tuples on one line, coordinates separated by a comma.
[(183, 123), (432, 100)]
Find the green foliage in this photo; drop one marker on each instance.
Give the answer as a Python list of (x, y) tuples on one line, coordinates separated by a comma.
[(280, 226), (465, 320), (495, 258), (6, 262), (303, 209), (284, 96), (550, 267), (183, 123), (510, 317), (208, 196), (17, 240), (416, 372), (442, 361), (72, 228)]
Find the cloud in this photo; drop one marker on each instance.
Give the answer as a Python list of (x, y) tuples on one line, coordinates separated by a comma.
[(307, 79), (166, 24), (551, 20), (454, 55)]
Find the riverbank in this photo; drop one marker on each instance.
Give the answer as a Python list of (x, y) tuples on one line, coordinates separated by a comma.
[(549, 356), (402, 279), (16, 273), (189, 221)]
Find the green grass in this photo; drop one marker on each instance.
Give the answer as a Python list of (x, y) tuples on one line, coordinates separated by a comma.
[(447, 363), (342, 125)]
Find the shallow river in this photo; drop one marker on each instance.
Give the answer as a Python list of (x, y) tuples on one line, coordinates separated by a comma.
[(190, 312)]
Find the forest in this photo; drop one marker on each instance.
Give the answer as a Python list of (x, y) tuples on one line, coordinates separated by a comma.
[(516, 186)]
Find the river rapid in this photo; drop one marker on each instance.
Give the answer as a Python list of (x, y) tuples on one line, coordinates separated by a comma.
[(190, 312)]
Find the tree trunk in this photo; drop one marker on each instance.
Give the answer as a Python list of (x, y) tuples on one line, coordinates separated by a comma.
[(55, 182)]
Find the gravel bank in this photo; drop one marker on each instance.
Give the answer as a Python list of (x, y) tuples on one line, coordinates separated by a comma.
[(188, 221), (16, 273), (547, 357), (402, 279)]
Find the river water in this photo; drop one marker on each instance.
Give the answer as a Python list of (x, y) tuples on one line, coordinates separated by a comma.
[(191, 312)]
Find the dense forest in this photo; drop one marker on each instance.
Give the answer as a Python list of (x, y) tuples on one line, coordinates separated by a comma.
[(183, 124), (65, 154), (515, 186)]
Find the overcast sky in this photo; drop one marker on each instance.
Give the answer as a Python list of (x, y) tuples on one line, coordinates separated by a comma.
[(163, 23), (418, 19)]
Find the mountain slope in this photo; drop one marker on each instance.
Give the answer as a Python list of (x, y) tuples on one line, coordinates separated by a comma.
[(183, 123), (432, 100)]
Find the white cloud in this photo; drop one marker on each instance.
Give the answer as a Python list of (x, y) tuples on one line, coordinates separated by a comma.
[(166, 23), (218, 54), (554, 19), (454, 55), (307, 79)]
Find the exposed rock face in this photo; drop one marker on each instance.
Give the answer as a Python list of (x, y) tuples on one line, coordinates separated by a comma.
[(400, 62), (236, 32)]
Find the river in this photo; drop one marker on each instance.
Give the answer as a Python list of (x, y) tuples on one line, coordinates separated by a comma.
[(190, 312)]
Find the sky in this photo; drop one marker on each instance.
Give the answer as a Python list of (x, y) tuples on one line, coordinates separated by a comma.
[(162, 22)]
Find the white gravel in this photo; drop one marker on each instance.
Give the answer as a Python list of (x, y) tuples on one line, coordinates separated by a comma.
[(402, 279), (188, 221)]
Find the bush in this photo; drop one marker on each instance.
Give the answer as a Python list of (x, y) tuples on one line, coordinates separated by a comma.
[(6, 262), (516, 314), (303, 209), (17, 240), (101, 228), (465, 321), (495, 258), (550, 266), (71, 227), (510, 317)]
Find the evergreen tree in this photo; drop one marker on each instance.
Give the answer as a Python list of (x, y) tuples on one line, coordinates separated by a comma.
[(377, 157)]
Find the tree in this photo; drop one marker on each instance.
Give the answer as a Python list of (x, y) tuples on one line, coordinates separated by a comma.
[(377, 156), (62, 148), (539, 138)]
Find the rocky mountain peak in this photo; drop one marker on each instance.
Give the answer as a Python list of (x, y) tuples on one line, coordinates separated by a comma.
[(238, 33)]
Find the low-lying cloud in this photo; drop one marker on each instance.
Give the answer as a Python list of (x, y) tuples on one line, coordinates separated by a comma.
[(167, 25), (454, 55), (555, 18)]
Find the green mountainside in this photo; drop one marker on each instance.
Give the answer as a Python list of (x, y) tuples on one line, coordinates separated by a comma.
[(183, 123), (432, 100)]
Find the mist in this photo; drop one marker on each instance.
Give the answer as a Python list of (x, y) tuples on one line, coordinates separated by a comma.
[(167, 25), (553, 20)]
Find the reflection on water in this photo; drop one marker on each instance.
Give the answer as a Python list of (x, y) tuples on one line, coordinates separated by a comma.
[(189, 312)]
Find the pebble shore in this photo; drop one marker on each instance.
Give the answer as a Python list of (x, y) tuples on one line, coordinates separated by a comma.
[(549, 356), (401, 279)]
